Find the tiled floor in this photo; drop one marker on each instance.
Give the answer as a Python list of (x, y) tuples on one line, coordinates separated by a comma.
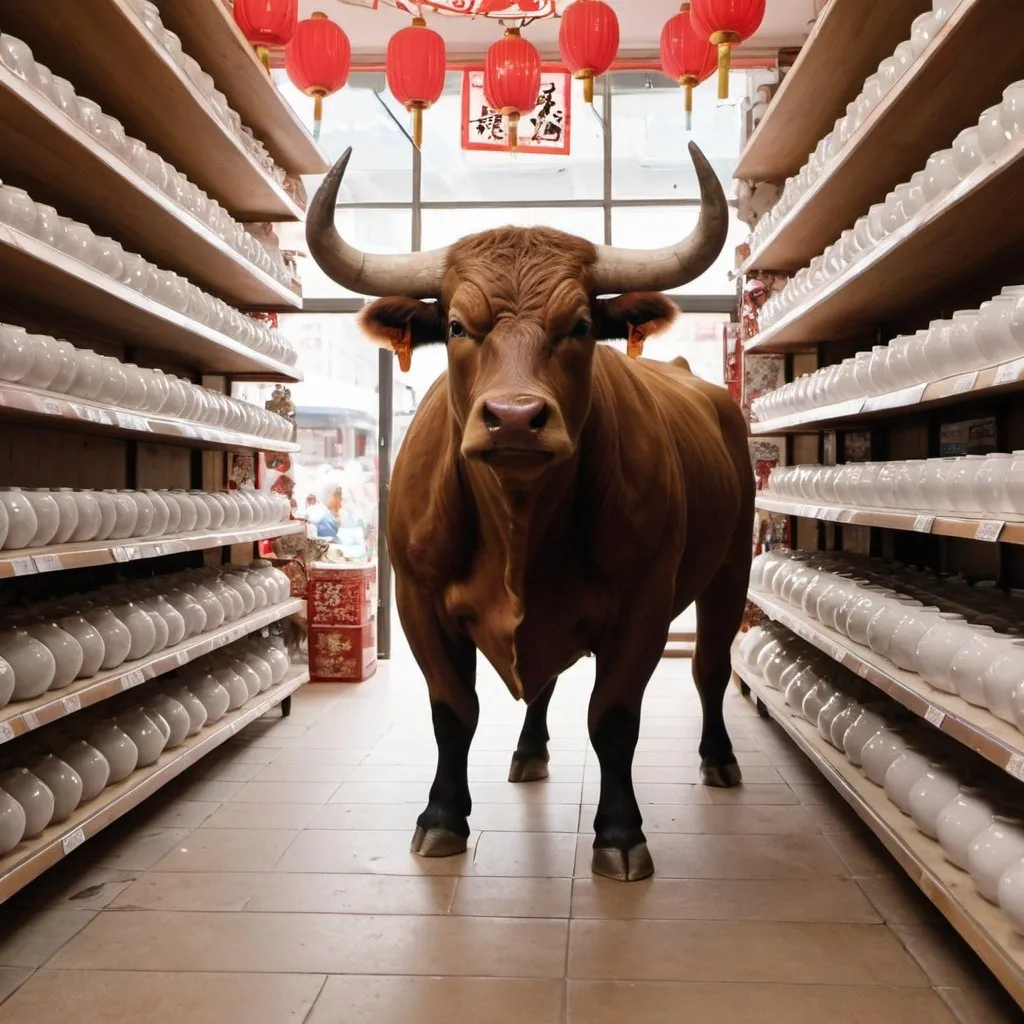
[(274, 884)]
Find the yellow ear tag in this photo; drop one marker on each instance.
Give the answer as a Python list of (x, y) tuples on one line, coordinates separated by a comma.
[(403, 349), (635, 345)]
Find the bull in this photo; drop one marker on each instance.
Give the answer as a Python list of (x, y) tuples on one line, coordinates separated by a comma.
[(555, 499)]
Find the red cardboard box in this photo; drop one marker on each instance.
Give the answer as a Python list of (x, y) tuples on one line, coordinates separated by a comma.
[(295, 570), (342, 654), (342, 595)]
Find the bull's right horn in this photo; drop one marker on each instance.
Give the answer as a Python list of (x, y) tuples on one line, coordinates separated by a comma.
[(418, 275)]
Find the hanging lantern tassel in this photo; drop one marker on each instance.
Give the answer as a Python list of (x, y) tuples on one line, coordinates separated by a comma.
[(263, 52), (688, 82), (318, 112), (725, 41), (686, 56)]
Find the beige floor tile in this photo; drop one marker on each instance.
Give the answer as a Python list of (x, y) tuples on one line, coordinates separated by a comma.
[(525, 854), (179, 813), (661, 1003), (131, 849), (750, 820), (228, 849), (112, 997), (981, 1005), (368, 853), (818, 794), (368, 817), (11, 979), (532, 817), (752, 793), (354, 894), (689, 758), (207, 790), (318, 943), (286, 792), (287, 816), (943, 956), (736, 951), (512, 897), (899, 901), (29, 939), (655, 793), (688, 774), (418, 773), (482, 792), (502, 758), (365, 1000), (237, 751), (661, 744), (78, 885), (863, 854), (718, 856), (320, 773), (829, 818), (826, 900), (228, 772), (218, 891), (319, 755)]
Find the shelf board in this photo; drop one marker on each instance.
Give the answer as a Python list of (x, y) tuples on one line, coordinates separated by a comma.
[(946, 88), (208, 32), (977, 527), (60, 163), (60, 557), (151, 95), (923, 258), (977, 728), (847, 43), (44, 408), (990, 382), (980, 923), (30, 859), (35, 273), (25, 716)]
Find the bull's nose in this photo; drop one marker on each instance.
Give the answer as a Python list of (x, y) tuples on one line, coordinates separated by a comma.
[(520, 416)]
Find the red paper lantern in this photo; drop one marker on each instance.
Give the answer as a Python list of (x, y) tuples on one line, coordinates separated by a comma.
[(588, 39), (686, 55), (512, 80), (726, 23), (266, 23), (318, 60), (416, 65)]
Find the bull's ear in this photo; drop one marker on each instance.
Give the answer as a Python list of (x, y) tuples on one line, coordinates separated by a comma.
[(389, 321), (646, 312)]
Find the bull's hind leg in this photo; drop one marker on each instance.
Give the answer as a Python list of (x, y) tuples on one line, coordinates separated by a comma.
[(719, 615), (530, 761), (449, 664)]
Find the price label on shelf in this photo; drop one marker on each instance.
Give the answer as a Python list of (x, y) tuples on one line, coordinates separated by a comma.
[(836, 653), (1009, 373), (120, 554), (6, 732), (31, 720), (895, 399), (831, 515), (924, 524), (182, 658), (47, 563), (1015, 766), (131, 679), (73, 840), (989, 529), (51, 408), (935, 716), (130, 421), (72, 703), (863, 670), (964, 383), (23, 566)]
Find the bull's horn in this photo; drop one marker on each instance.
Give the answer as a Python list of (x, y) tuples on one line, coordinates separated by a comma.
[(417, 275), (655, 270)]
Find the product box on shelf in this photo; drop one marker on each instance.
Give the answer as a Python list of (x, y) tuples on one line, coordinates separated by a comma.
[(342, 595), (295, 570), (342, 654)]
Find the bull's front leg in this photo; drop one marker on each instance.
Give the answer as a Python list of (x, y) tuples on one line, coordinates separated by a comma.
[(448, 662), (530, 761), (625, 663)]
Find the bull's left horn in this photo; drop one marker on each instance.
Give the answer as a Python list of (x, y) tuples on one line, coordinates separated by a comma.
[(656, 270), (418, 275)]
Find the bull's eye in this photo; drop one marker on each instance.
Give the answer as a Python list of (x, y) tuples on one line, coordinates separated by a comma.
[(582, 328), (456, 329)]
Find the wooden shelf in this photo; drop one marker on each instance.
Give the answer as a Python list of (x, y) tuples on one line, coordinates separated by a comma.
[(995, 740), (44, 408), (59, 557), (970, 528), (991, 382), (37, 277), (59, 163), (946, 88), (16, 719), (847, 43), (30, 859), (923, 258), (151, 95), (208, 32), (981, 924)]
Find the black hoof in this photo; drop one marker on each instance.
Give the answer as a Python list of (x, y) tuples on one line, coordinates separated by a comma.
[(630, 865), (722, 776), (437, 842), (528, 768)]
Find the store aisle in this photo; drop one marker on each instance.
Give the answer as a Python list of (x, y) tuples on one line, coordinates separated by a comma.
[(274, 884)]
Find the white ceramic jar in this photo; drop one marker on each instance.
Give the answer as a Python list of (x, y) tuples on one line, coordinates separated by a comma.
[(143, 732), (12, 822), (905, 771), (192, 704), (993, 852), (211, 694), (68, 655), (34, 796), (880, 752), (90, 766), (32, 663), (961, 821), (862, 729), (117, 748), (63, 782), (929, 795)]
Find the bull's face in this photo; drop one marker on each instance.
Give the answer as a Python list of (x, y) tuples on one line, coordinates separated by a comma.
[(521, 328), (519, 312)]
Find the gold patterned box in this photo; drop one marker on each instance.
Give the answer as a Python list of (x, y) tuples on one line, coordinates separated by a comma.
[(342, 595), (342, 654)]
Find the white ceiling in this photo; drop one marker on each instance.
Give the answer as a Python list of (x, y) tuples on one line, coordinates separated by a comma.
[(786, 23)]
